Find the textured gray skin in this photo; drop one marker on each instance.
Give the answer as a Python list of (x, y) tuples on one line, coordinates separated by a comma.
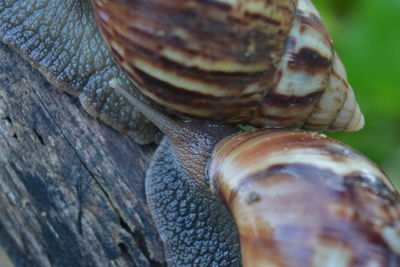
[(197, 230), (61, 39)]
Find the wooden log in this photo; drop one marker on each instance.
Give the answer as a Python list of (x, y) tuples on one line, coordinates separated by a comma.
[(71, 188)]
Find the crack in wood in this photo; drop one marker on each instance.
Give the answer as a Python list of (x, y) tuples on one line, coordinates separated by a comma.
[(48, 154), (39, 137), (8, 119)]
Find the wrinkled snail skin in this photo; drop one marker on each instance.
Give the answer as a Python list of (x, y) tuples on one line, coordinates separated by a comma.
[(195, 227), (302, 199), (267, 63), (297, 198), (60, 39)]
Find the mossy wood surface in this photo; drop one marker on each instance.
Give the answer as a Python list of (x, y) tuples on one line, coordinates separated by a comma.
[(71, 188)]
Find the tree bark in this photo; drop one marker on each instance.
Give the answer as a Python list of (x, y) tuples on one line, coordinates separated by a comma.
[(71, 188)]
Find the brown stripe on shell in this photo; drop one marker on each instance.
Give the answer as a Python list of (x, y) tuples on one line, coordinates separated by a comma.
[(343, 80), (313, 21), (283, 110), (252, 16), (309, 60), (350, 116), (217, 108), (285, 9), (275, 99), (293, 211), (216, 4)]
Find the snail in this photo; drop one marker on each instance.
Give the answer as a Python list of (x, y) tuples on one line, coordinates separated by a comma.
[(283, 75), (297, 198), (265, 63)]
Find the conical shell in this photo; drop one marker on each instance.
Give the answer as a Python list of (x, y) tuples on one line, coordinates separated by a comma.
[(302, 199), (267, 63), (337, 108), (310, 89)]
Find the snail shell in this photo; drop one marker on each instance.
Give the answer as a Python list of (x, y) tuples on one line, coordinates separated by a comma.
[(297, 198), (268, 63), (302, 199)]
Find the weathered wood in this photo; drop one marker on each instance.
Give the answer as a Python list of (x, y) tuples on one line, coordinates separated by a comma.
[(71, 188)]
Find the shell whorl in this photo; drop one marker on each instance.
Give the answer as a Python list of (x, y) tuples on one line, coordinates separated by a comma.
[(206, 57), (310, 89), (268, 63), (302, 199)]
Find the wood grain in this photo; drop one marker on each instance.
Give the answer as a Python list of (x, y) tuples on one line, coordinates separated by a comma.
[(71, 188)]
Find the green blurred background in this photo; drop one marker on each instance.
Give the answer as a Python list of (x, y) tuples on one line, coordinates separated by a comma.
[(366, 35)]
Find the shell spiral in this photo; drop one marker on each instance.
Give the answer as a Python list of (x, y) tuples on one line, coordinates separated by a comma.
[(302, 199), (267, 63)]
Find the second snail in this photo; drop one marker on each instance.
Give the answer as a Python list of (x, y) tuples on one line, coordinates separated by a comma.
[(297, 198)]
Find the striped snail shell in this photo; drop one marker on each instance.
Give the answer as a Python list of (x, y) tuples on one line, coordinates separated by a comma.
[(302, 199), (267, 63), (297, 198)]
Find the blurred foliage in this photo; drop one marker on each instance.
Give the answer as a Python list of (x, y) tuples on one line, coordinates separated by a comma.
[(367, 37)]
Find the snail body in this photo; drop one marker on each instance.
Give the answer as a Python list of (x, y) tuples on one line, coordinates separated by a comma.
[(267, 63), (297, 198), (68, 49)]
